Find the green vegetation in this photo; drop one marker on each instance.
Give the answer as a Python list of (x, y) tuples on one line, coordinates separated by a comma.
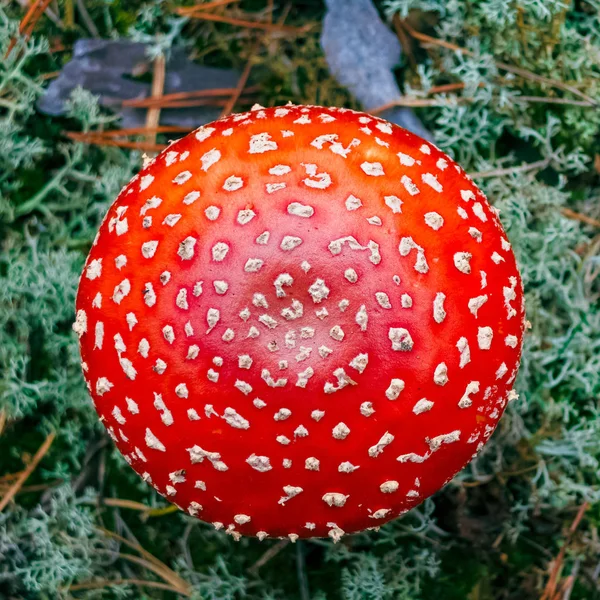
[(492, 532)]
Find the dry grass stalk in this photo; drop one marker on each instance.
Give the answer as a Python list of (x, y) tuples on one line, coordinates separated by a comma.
[(24, 475)]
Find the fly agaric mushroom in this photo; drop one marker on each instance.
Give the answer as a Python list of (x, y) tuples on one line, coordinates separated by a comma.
[(300, 321)]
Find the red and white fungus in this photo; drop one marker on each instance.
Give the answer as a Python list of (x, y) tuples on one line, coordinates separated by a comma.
[(300, 321)]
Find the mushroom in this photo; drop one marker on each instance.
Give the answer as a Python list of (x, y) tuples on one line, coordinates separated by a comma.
[(300, 321)]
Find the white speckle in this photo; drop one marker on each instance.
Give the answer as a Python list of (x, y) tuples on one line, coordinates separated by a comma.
[(502, 370), (80, 325), (244, 387), (300, 210), (312, 464), (219, 251), (210, 158), (212, 213), (191, 197), (160, 366), (336, 333), (149, 295), (375, 220), (374, 169), (182, 177), (319, 181), (259, 463), (233, 183), (484, 337), (476, 303), (439, 313), (213, 315), (260, 143), (396, 386), (386, 439), (366, 409), (153, 442), (340, 431), (193, 352), (234, 419), (335, 499), (472, 388), (380, 513), (475, 234), (467, 195), (103, 385), (434, 220), (245, 216), (132, 406), (228, 335), (203, 133), (350, 275), (181, 390), (168, 333), (511, 341), (290, 492), (274, 187), (186, 248), (465, 352), (401, 339), (479, 212), (461, 262), (497, 258), (324, 351), (149, 248), (425, 149), (440, 375), (384, 127), (94, 269), (283, 440), (343, 304), (318, 291), (192, 414), (289, 242), (353, 203), (144, 347), (280, 170), (423, 405), (406, 160), (407, 244), (432, 181), (409, 185), (383, 300), (121, 291), (389, 487), (406, 301), (462, 213), (120, 261), (300, 431), (359, 362)]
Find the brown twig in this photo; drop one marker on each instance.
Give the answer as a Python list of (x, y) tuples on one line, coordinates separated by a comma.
[(534, 166), (95, 585), (151, 562), (274, 550), (184, 96), (29, 21), (437, 102), (98, 140), (553, 579), (272, 28), (3, 419), (186, 10), (230, 105), (27, 471), (524, 73), (158, 87), (571, 214), (87, 20)]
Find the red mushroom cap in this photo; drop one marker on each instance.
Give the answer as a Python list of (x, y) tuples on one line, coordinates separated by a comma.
[(300, 321)]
